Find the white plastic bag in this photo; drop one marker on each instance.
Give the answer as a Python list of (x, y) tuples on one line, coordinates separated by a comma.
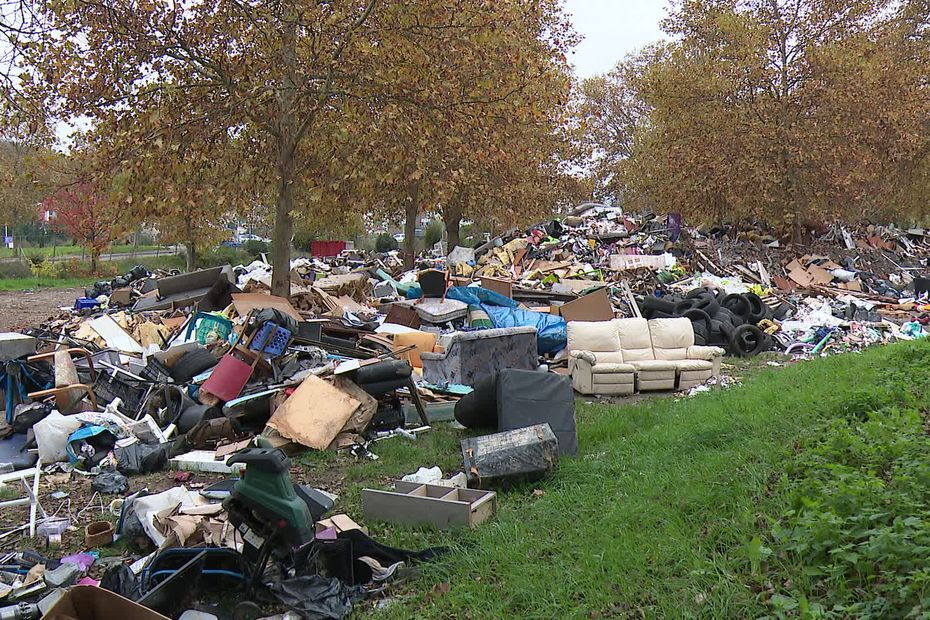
[(52, 436)]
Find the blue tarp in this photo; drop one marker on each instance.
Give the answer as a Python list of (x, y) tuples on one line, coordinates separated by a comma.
[(551, 334)]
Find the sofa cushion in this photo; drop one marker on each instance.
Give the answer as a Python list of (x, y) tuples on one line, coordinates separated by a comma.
[(671, 338), (691, 365), (605, 369), (608, 357), (592, 336), (635, 342), (654, 365)]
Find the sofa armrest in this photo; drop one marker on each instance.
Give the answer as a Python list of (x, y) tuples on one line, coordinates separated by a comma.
[(698, 352), (583, 355), (433, 357)]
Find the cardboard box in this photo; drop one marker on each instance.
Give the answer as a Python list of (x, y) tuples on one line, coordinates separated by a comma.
[(93, 603), (593, 307)]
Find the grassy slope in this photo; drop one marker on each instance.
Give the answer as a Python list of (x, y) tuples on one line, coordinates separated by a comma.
[(74, 250), (653, 517), (22, 284)]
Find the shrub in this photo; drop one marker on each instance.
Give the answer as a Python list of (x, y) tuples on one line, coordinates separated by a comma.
[(45, 269), (15, 269), (433, 233), (223, 255), (303, 240), (385, 243), (255, 247)]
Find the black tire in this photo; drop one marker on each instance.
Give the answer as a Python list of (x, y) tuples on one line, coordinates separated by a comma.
[(748, 340), (684, 305), (699, 292), (655, 303), (708, 304), (725, 316), (737, 304), (719, 333), (757, 308), (192, 364), (699, 318)]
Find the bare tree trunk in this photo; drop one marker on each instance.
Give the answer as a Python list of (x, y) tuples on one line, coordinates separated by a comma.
[(190, 247), (410, 234), (411, 211), (283, 234), (94, 259), (452, 218), (191, 251)]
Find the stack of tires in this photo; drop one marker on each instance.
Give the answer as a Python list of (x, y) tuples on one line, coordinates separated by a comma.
[(722, 320)]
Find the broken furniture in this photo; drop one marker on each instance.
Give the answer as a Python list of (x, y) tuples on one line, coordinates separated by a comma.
[(673, 340), (664, 354), (379, 379), (470, 356), (638, 355), (636, 348), (595, 361), (515, 399), (423, 342), (68, 390), (232, 373), (187, 289), (439, 506), (503, 458)]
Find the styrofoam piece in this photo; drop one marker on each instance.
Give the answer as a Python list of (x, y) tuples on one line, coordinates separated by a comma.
[(203, 461)]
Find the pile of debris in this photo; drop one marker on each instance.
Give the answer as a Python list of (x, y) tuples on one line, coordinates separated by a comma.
[(207, 374)]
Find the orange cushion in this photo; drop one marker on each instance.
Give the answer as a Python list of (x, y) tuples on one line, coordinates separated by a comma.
[(424, 342)]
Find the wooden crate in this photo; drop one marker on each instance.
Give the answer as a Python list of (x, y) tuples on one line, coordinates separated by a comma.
[(442, 507)]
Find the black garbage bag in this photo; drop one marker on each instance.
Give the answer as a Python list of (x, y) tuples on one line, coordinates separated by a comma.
[(317, 597), (120, 579), (278, 318), (140, 458), (110, 482)]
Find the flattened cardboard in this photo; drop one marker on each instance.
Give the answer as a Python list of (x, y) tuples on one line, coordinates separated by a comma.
[(800, 276), (819, 275), (246, 302), (93, 603), (593, 307), (314, 414)]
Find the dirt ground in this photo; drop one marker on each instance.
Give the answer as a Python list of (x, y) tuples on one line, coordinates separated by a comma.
[(22, 309)]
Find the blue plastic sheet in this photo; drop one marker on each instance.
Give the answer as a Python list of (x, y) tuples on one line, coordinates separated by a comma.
[(477, 296), (551, 332)]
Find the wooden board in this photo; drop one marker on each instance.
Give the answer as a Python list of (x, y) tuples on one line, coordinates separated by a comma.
[(314, 414)]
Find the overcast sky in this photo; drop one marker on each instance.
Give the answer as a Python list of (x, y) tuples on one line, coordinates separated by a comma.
[(611, 29)]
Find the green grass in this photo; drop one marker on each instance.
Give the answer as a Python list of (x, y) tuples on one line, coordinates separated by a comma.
[(660, 515), (24, 284), (74, 250)]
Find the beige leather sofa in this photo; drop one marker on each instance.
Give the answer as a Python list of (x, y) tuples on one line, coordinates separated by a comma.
[(626, 355), (595, 361)]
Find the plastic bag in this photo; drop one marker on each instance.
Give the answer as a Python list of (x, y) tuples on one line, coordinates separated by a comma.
[(314, 596), (140, 458), (551, 331), (52, 436), (110, 482)]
